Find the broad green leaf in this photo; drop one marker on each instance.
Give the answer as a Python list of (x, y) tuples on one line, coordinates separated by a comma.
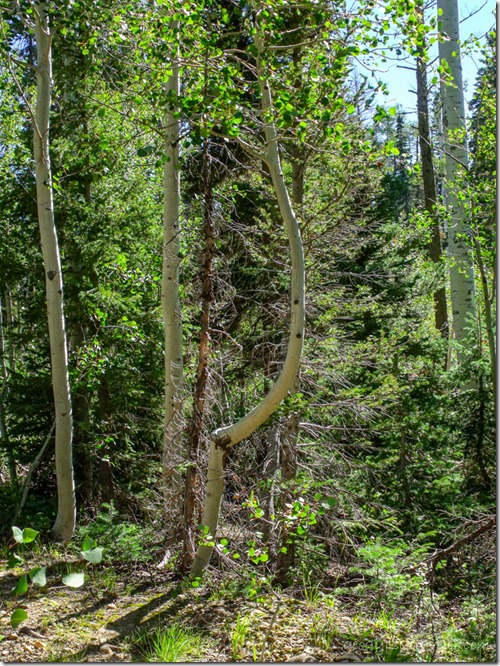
[(22, 585), (88, 542), (74, 579), (39, 576), (18, 616), (18, 534), (29, 535), (94, 556)]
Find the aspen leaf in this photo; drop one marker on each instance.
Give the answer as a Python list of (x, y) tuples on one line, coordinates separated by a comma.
[(29, 535), (22, 585), (18, 534), (39, 576), (93, 556), (18, 616), (74, 579)]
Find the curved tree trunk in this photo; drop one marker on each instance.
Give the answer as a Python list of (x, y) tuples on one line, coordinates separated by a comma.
[(66, 508), (456, 156), (223, 439)]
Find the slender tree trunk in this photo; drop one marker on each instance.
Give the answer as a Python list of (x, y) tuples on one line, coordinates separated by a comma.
[(286, 555), (66, 511), (196, 425), (4, 436), (430, 191), (174, 455), (223, 439), (269, 473), (488, 315), (456, 156)]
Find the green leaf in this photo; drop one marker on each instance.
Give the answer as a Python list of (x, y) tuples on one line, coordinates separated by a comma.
[(73, 579), (264, 557), (39, 576), (94, 556), (238, 117), (88, 542), (392, 111), (144, 151), (18, 616), (351, 108), (22, 585), (18, 534), (29, 535), (224, 542)]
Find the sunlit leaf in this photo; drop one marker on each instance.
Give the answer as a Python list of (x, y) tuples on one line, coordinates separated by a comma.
[(74, 579)]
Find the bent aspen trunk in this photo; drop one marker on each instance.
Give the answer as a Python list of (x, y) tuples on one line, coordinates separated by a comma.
[(66, 505), (223, 439)]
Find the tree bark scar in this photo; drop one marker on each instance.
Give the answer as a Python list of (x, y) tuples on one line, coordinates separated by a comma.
[(51, 274), (223, 443)]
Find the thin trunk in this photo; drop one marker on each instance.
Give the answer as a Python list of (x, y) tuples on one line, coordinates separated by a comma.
[(456, 157), (81, 415), (269, 473), (196, 425), (430, 191), (223, 439), (488, 315), (286, 555), (173, 457), (289, 441), (66, 511), (4, 436)]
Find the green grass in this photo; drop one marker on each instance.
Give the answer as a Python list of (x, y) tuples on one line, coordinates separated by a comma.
[(172, 644)]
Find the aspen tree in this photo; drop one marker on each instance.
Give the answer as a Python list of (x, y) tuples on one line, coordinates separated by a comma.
[(173, 451), (225, 438), (462, 284), (66, 505)]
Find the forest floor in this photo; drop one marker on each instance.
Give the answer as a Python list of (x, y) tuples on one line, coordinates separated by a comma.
[(120, 609)]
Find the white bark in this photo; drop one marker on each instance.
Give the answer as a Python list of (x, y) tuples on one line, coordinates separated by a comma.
[(173, 452), (456, 156), (223, 439), (66, 505)]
